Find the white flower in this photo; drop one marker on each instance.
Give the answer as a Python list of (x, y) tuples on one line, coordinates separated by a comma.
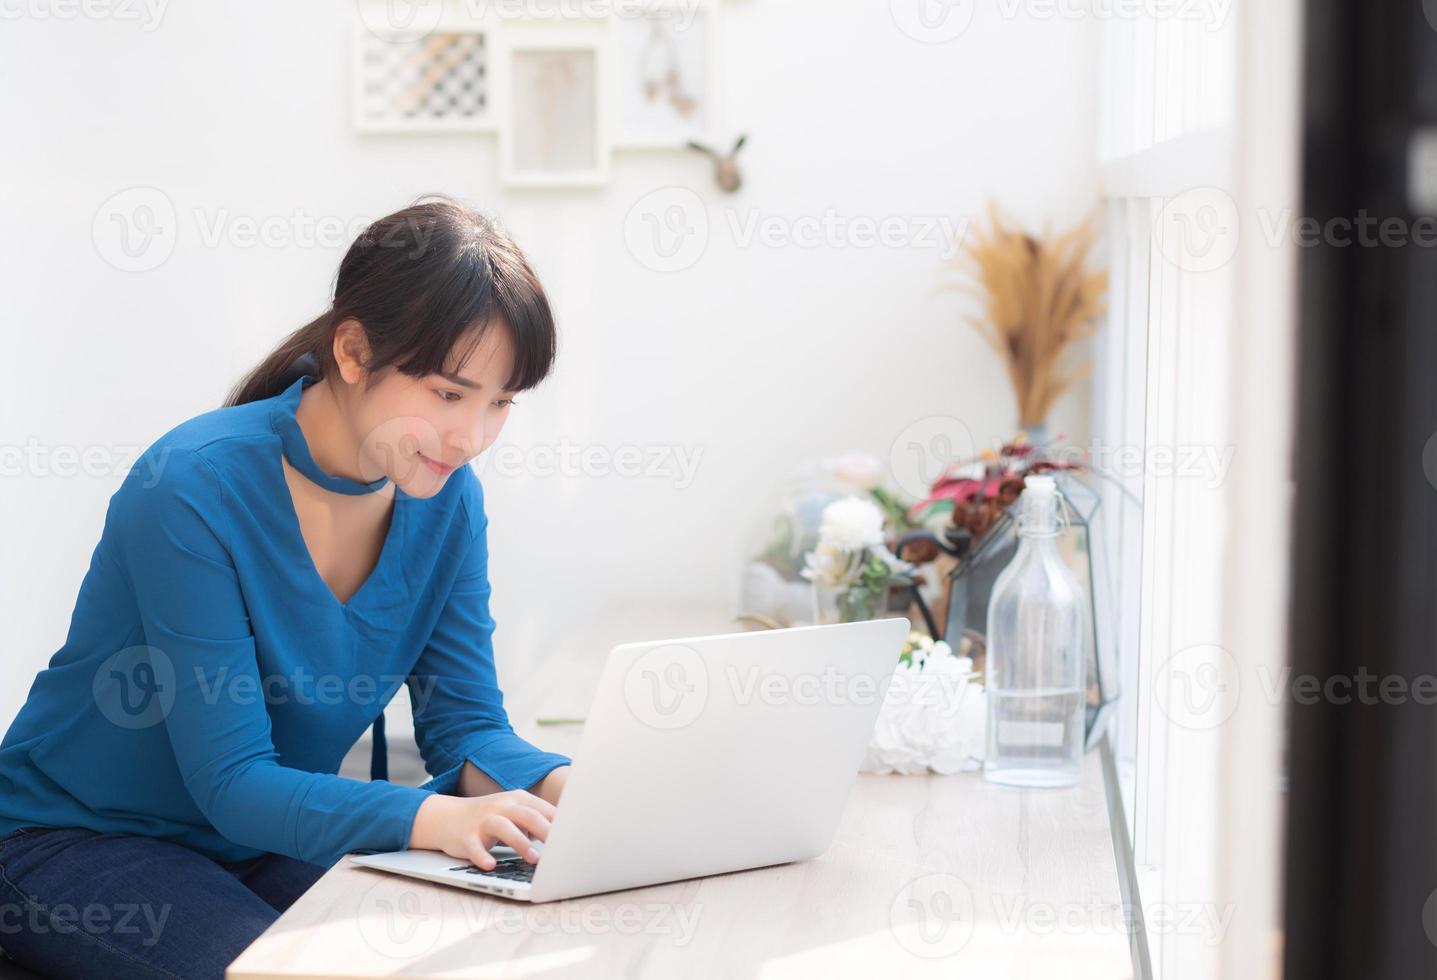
[(933, 718), (828, 566), (851, 524)]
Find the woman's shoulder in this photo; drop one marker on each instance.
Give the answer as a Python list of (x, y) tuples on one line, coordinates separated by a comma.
[(232, 422), (196, 452)]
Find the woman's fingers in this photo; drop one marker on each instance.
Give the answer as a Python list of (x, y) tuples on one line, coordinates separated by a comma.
[(534, 823), (481, 858), (514, 817), (500, 828), (525, 798)]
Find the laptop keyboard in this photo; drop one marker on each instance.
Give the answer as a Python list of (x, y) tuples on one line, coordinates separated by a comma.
[(514, 869)]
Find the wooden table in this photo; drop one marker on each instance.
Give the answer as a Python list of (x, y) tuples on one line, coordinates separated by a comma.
[(943, 876)]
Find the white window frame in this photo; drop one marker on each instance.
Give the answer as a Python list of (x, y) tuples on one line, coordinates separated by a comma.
[(1187, 109)]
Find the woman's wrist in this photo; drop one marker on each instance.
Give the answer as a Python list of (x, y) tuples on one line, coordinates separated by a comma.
[(475, 782), (432, 814)]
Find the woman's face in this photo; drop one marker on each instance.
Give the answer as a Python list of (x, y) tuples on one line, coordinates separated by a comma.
[(418, 431)]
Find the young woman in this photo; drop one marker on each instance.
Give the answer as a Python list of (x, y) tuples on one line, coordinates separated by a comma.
[(268, 575)]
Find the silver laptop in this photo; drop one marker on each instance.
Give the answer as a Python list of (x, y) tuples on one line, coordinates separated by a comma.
[(700, 756)]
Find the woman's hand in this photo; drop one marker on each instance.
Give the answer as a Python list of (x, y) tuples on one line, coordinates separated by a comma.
[(467, 827)]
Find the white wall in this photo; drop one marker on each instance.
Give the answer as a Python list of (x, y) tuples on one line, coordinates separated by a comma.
[(757, 356)]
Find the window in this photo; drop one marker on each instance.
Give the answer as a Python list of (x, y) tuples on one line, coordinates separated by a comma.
[(1161, 430)]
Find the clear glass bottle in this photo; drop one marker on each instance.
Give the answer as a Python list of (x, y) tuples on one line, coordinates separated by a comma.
[(1036, 670)]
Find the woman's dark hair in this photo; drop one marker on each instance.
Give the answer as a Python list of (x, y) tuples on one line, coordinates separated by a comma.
[(420, 282)]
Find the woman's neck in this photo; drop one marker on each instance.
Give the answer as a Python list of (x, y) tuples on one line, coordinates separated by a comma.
[(330, 442)]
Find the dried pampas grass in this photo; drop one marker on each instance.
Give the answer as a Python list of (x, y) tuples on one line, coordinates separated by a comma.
[(1039, 298)]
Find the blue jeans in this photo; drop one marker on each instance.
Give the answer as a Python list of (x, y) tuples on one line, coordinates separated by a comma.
[(76, 903)]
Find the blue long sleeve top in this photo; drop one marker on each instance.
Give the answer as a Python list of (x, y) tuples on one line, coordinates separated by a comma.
[(210, 683)]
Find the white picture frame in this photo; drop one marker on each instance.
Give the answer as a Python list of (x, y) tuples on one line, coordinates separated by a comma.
[(474, 70), (678, 35), (403, 84), (555, 92)]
